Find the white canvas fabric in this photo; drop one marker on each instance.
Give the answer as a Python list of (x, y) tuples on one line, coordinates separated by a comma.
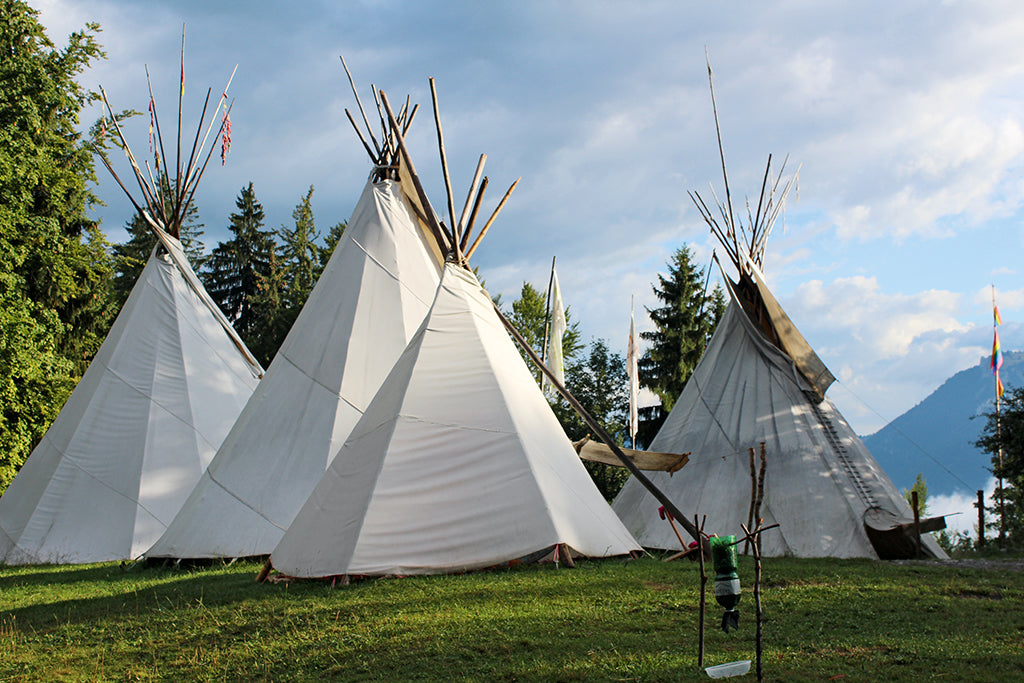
[(367, 304), (138, 430), (819, 481), (458, 462)]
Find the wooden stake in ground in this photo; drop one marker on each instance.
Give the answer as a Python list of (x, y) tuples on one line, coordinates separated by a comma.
[(759, 614), (981, 518), (703, 599)]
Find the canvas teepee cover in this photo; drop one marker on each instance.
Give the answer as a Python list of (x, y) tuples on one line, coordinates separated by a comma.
[(820, 479), (458, 462), (365, 307), (760, 382), (138, 430)]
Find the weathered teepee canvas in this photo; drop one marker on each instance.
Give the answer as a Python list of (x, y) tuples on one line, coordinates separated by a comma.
[(820, 480), (365, 307), (458, 462), (759, 382), (138, 430)]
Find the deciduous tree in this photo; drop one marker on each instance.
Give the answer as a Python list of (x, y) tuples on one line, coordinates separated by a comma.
[(55, 268)]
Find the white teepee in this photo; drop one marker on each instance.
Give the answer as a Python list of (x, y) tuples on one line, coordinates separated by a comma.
[(458, 462), (138, 430), (153, 406), (365, 307), (820, 480), (759, 382)]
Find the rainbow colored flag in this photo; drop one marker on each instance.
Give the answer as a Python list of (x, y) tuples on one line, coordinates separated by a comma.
[(997, 353), (995, 315)]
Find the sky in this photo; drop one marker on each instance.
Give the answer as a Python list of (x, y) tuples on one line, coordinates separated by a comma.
[(906, 121)]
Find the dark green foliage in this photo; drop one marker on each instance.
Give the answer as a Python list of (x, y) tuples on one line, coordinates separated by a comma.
[(55, 269), (684, 324), (1006, 430), (237, 271), (600, 384), (300, 254)]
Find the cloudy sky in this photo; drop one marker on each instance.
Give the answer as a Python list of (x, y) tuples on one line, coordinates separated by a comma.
[(906, 120)]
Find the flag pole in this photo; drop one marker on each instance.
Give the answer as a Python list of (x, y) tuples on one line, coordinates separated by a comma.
[(631, 369), (996, 362)]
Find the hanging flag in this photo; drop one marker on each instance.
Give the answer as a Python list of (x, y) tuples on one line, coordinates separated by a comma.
[(225, 138), (632, 355), (558, 326), (997, 353)]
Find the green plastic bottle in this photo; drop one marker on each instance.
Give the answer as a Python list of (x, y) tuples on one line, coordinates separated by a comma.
[(727, 580)]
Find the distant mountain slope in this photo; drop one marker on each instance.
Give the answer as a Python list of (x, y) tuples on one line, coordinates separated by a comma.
[(942, 426)]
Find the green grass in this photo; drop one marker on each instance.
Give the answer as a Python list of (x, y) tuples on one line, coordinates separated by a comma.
[(824, 620)]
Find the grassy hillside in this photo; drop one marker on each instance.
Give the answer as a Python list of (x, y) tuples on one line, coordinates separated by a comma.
[(825, 619)]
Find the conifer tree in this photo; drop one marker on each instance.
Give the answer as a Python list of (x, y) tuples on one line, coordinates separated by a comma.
[(300, 254), (684, 324), (237, 268)]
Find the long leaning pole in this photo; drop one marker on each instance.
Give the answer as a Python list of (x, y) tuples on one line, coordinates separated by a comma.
[(604, 436)]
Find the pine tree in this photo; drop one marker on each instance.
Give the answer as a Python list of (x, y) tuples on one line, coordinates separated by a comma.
[(238, 268), (56, 269), (300, 254), (271, 319), (684, 325)]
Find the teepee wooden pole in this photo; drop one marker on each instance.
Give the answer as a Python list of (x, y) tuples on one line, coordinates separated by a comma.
[(472, 216), (366, 146), (431, 218), (603, 435), (469, 195), (487, 225), (444, 170), (199, 129), (209, 153), (139, 178), (718, 131), (158, 183), (216, 112), (178, 190), (359, 103)]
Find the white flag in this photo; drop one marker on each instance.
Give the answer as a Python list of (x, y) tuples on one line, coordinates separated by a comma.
[(632, 355), (555, 361)]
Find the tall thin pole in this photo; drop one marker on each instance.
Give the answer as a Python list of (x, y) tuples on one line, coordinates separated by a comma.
[(999, 426)]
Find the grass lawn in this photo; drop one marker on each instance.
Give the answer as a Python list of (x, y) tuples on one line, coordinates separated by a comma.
[(849, 620)]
